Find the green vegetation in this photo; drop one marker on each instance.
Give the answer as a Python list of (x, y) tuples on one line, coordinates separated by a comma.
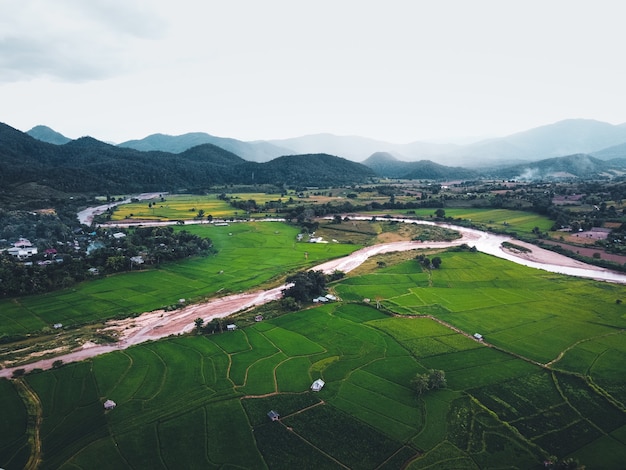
[(248, 255), (203, 400), (546, 380)]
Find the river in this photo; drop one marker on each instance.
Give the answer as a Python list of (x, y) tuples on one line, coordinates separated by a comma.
[(159, 324)]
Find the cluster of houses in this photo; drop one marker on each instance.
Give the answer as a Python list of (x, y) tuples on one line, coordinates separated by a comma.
[(324, 298)]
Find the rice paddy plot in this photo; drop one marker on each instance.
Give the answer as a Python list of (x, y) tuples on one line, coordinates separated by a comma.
[(293, 375), (174, 207), (72, 409), (393, 418), (361, 447), (14, 446), (260, 378)]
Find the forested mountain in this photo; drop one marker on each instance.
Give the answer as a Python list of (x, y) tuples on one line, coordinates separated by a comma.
[(252, 151), (87, 165), (385, 164), (309, 170)]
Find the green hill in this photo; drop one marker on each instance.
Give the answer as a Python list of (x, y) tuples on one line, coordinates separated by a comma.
[(87, 165)]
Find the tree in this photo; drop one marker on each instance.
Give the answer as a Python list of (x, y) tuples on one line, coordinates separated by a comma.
[(436, 379), (436, 262), (199, 322), (306, 285), (420, 384), (431, 380), (440, 213)]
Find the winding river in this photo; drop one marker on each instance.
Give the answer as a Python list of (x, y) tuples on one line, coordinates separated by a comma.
[(159, 324)]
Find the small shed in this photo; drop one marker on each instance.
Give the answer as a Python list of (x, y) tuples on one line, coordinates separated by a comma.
[(258, 318), (478, 336), (231, 327), (109, 405), (273, 415), (317, 385)]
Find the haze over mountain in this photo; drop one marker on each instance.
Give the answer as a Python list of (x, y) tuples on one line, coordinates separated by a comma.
[(45, 134), (562, 138), (259, 151), (385, 164)]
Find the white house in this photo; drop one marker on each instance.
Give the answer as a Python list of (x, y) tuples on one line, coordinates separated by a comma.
[(22, 252), (317, 385), (231, 327), (478, 336)]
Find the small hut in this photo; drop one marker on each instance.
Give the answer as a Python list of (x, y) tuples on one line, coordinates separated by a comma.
[(109, 405), (273, 415), (317, 385)]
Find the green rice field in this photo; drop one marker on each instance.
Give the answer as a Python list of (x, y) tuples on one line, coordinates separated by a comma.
[(546, 380), (248, 254), (502, 220), (187, 206)]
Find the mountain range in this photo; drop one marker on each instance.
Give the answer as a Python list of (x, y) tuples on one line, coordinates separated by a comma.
[(86, 165), (31, 164), (573, 136)]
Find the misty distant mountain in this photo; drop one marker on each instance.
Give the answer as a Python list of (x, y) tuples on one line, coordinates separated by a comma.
[(360, 148), (571, 166), (386, 165), (45, 134), (568, 137), (563, 138), (352, 147), (259, 151), (554, 140), (616, 151)]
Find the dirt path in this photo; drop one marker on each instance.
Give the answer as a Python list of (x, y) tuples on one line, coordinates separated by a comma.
[(35, 415), (160, 324)]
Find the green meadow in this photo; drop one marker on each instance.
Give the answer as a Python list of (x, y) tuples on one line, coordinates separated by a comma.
[(501, 220), (202, 401), (248, 255), (187, 206)]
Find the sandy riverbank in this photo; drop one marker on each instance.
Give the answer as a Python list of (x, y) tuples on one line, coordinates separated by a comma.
[(160, 324)]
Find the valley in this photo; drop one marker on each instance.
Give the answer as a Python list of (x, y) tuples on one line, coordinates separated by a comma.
[(190, 312)]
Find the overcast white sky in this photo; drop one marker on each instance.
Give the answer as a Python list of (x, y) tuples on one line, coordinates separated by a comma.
[(395, 70)]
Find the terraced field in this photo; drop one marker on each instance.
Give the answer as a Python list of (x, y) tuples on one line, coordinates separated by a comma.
[(202, 401)]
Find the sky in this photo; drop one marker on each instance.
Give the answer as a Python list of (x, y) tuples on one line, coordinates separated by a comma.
[(394, 70)]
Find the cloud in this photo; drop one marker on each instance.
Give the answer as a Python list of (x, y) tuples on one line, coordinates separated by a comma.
[(75, 41)]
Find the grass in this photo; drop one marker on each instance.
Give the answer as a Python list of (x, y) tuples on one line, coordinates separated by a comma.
[(249, 255), (501, 220), (202, 401)]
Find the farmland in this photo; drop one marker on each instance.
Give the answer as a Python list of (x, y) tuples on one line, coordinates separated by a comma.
[(202, 401), (248, 256)]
